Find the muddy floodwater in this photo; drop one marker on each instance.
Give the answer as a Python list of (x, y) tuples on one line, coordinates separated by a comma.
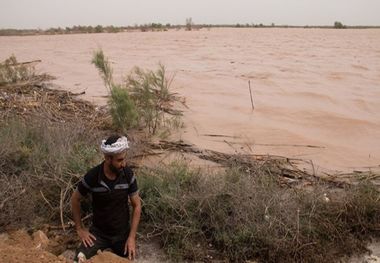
[(316, 92)]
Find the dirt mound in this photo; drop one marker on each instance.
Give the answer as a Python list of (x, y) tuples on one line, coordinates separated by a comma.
[(20, 247), (110, 257), (16, 254)]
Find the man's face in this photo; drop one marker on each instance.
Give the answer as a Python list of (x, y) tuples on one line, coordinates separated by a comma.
[(117, 162)]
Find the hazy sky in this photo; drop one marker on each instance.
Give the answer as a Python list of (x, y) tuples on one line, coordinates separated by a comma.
[(54, 13)]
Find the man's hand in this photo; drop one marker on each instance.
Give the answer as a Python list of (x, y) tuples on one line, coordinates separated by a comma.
[(130, 247), (86, 237)]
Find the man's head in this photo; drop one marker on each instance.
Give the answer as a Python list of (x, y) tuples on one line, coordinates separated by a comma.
[(114, 149)]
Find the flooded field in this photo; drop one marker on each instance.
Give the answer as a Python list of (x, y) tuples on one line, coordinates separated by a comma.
[(316, 92)]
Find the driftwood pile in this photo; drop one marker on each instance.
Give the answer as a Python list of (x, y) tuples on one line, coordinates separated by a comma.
[(25, 93), (34, 97), (289, 171)]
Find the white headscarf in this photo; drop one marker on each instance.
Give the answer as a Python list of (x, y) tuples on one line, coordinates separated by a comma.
[(117, 147)]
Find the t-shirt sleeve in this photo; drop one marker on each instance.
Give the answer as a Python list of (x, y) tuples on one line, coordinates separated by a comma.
[(83, 185), (133, 189)]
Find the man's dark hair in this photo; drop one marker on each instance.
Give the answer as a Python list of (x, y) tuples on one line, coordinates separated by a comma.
[(112, 139)]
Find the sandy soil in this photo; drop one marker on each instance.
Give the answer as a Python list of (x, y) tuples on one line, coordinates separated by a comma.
[(315, 87), (20, 247)]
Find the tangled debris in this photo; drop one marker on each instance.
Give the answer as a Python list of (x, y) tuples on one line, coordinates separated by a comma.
[(58, 106), (289, 171), (25, 93)]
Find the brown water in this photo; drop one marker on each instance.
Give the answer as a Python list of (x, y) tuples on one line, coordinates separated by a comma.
[(311, 87)]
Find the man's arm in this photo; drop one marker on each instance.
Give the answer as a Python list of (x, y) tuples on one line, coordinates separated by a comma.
[(130, 245), (85, 236)]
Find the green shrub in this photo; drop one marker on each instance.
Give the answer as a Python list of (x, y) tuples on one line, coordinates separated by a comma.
[(150, 91), (11, 71), (122, 108), (104, 68), (143, 100)]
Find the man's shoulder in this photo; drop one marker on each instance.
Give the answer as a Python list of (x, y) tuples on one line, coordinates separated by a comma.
[(128, 172), (91, 177)]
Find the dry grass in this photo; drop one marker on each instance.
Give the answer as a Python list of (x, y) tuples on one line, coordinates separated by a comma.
[(47, 140), (250, 215), (40, 165)]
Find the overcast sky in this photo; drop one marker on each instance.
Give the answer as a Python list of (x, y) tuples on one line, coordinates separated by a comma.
[(53, 13)]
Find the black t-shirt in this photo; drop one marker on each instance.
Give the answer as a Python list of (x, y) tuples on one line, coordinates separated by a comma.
[(109, 199)]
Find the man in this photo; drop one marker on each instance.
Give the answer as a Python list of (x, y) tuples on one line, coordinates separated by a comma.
[(111, 184)]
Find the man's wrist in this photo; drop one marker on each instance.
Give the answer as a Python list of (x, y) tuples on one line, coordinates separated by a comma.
[(132, 236)]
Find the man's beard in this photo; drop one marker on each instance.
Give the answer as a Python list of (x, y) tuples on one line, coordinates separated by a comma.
[(114, 169)]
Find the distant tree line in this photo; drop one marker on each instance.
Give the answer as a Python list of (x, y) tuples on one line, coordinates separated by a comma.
[(189, 25), (88, 29)]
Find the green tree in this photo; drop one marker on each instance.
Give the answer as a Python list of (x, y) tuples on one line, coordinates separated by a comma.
[(98, 29), (339, 25), (189, 24)]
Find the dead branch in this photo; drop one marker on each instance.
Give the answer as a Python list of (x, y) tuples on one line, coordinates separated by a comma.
[(61, 210), (283, 167), (52, 208), (26, 62), (250, 92), (220, 135)]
